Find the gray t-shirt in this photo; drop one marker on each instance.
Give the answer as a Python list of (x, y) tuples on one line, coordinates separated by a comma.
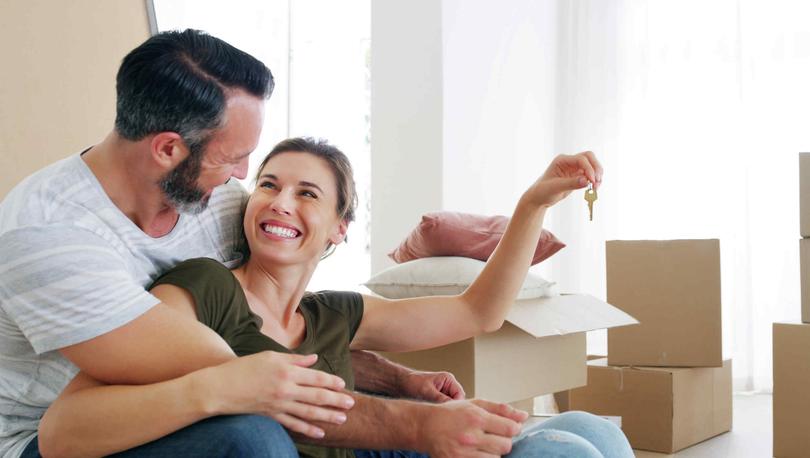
[(73, 267)]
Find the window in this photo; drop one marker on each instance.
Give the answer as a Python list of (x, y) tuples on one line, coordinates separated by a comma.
[(318, 52)]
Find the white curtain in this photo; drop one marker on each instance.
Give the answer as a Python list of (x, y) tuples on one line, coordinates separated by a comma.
[(698, 111)]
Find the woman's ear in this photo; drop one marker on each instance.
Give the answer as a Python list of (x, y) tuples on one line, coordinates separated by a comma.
[(340, 232), (167, 150)]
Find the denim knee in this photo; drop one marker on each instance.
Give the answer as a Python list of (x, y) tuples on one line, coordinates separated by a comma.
[(553, 443), (603, 434), (254, 436)]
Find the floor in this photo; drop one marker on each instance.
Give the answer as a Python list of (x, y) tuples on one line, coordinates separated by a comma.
[(750, 437)]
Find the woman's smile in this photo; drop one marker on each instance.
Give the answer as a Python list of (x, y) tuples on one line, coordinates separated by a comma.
[(279, 231)]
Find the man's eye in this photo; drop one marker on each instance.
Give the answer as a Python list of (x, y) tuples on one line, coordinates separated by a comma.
[(268, 185)]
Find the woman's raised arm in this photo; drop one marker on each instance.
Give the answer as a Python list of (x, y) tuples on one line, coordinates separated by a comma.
[(425, 322)]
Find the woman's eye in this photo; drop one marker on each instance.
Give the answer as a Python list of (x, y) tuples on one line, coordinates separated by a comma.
[(267, 185), (309, 194)]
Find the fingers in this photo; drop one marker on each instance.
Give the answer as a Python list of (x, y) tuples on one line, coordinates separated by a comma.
[(324, 397), (299, 426), (501, 426), (453, 389), (585, 164), (316, 378), (301, 360), (503, 410), (309, 412), (495, 444), (441, 397), (597, 167)]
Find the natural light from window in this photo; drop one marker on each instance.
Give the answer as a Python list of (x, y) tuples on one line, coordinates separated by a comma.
[(318, 52)]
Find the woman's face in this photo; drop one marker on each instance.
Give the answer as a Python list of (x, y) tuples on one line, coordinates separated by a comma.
[(292, 215)]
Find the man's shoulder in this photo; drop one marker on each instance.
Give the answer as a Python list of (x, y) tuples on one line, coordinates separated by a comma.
[(48, 194), (228, 196)]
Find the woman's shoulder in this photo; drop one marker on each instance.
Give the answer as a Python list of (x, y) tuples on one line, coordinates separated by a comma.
[(336, 300), (197, 271)]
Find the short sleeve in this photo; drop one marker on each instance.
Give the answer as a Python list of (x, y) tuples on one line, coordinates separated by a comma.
[(63, 285), (348, 303), (218, 298)]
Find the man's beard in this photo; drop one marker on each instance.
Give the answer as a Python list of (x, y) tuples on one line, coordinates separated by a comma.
[(180, 186)]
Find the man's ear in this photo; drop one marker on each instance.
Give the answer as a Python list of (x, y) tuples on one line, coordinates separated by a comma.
[(167, 149), (340, 233)]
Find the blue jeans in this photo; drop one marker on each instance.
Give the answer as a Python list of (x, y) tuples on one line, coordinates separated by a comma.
[(573, 434), (568, 435), (231, 436)]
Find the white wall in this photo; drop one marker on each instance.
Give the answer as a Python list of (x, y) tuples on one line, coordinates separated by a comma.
[(406, 120), (463, 109)]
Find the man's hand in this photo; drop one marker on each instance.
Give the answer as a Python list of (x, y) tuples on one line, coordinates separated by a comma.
[(431, 386), (469, 428)]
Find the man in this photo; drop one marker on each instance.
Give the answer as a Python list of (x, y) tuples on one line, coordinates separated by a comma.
[(81, 240)]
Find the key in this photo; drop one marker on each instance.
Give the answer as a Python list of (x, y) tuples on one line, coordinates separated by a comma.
[(590, 196)]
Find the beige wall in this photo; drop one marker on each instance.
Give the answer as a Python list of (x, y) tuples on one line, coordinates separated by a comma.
[(57, 84)]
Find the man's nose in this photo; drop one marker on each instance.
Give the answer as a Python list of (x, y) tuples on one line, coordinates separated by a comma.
[(241, 169)]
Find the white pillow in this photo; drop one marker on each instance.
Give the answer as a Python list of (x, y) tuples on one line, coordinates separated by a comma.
[(444, 276)]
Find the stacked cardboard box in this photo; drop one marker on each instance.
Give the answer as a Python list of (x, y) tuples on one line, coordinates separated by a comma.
[(666, 377), (804, 229), (791, 347)]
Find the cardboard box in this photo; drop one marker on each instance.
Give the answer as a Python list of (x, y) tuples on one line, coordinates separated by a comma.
[(804, 194), (673, 288), (561, 398), (540, 349), (662, 409), (791, 379), (804, 257)]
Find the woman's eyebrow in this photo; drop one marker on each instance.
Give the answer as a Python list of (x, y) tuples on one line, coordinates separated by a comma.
[(307, 184), (310, 185)]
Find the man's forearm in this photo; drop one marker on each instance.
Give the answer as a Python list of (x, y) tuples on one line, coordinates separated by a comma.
[(376, 423), (375, 374)]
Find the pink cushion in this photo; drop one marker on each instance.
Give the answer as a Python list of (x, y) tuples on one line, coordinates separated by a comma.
[(463, 234)]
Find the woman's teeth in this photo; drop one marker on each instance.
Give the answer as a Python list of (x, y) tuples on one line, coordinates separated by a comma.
[(280, 231)]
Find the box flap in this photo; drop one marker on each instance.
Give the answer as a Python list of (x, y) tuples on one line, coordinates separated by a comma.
[(603, 362), (565, 314)]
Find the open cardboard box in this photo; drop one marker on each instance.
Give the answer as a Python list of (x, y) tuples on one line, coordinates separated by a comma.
[(539, 350)]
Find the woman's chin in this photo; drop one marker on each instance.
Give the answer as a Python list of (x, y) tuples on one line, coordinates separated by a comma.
[(281, 255)]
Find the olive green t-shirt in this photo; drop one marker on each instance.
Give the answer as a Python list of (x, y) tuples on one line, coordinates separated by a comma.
[(332, 319)]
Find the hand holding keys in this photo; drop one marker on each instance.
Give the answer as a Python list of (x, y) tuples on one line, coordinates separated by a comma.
[(590, 196)]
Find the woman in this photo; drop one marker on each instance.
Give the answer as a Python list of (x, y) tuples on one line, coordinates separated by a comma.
[(300, 210)]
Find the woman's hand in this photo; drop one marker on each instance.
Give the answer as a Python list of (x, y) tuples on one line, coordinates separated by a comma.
[(280, 386), (565, 174)]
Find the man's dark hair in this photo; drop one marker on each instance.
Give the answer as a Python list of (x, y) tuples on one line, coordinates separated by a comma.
[(176, 81)]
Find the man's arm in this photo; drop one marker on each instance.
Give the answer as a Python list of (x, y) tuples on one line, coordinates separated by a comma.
[(375, 374), (452, 429), (93, 419), (159, 345), (177, 387)]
